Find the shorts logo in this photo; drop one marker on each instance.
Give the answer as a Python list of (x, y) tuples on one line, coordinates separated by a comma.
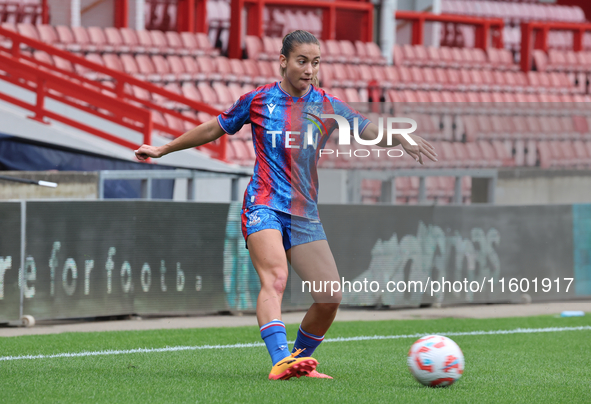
[(254, 219), (271, 108)]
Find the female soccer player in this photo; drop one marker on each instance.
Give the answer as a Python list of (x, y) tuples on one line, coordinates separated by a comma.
[(279, 216)]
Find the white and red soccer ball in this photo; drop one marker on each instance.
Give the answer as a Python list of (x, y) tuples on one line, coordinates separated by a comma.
[(436, 361)]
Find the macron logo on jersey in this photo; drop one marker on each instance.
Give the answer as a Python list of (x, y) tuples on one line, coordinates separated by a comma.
[(271, 107)]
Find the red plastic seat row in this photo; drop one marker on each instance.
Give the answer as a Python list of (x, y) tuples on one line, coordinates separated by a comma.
[(123, 40), (562, 61), (518, 103), (514, 12), (480, 154), (428, 125), (525, 127), (426, 78), (351, 95), (241, 151), (564, 154), (332, 51), (440, 189), (158, 68), (218, 95), (279, 22), (418, 55)]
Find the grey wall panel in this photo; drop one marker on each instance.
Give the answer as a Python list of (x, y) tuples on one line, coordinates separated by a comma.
[(10, 260)]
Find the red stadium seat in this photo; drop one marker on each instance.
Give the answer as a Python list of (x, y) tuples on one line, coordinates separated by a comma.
[(222, 65), (83, 39), (224, 95), (129, 64), (145, 42), (113, 61), (66, 39), (204, 44), (235, 90), (159, 41), (237, 68), (174, 41), (270, 49), (97, 38), (192, 68), (254, 47), (189, 41), (207, 67), (178, 69), (114, 39), (488, 152), (131, 40), (208, 94), (145, 67), (191, 92), (162, 68), (349, 52)]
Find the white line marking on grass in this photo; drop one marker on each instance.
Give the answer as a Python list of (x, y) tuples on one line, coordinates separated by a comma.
[(260, 344)]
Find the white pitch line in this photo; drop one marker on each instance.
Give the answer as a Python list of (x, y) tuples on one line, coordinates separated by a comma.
[(260, 344)]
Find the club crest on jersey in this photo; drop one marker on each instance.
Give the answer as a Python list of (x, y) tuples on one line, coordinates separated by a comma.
[(254, 219), (271, 107)]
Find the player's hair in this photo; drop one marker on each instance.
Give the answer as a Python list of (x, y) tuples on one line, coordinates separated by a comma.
[(293, 39)]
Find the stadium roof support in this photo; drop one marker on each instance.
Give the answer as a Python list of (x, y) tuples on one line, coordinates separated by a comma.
[(121, 13), (484, 26), (255, 18), (541, 30), (44, 12), (192, 16)]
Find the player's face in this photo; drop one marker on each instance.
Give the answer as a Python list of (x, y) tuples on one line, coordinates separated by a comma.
[(300, 67)]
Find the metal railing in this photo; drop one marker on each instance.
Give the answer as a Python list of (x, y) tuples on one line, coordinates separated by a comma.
[(388, 179), (148, 176)]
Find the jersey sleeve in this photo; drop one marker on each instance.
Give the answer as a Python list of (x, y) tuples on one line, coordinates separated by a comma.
[(238, 115), (343, 109)]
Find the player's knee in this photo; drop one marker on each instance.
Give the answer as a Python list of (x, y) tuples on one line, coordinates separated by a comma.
[(334, 299), (276, 279), (280, 283), (329, 308)]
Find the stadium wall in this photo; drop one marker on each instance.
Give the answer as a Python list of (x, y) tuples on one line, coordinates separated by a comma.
[(536, 186), (72, 185), (90, 258), (61, 12)]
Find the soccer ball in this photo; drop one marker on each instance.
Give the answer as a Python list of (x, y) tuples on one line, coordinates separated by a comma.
[(436, 361)]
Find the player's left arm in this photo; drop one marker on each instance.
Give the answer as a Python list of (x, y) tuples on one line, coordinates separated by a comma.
[(421, 148)]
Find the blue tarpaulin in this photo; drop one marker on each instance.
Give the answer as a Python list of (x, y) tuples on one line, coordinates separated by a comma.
[(19, 154)]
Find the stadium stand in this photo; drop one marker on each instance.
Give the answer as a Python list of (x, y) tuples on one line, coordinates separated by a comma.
[(475, 104), (514, 13), (26, 11)]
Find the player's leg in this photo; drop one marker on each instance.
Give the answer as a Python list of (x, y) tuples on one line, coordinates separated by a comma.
[(314, 262), (267, 253), (268, 257)]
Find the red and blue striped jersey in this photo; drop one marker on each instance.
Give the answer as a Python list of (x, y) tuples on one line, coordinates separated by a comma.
[(285, 172)]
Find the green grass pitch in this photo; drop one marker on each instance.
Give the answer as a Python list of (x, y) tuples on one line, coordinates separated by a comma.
[(537, 367)]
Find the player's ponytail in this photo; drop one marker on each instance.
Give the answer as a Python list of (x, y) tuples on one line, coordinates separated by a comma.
[(293, 39)]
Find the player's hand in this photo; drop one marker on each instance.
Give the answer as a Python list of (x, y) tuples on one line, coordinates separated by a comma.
[(146, 151), (422, 148)]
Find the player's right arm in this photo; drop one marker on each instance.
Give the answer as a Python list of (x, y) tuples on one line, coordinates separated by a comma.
[(198, 136)]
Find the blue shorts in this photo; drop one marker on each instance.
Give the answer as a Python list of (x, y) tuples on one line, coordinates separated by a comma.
[(295, 230)]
